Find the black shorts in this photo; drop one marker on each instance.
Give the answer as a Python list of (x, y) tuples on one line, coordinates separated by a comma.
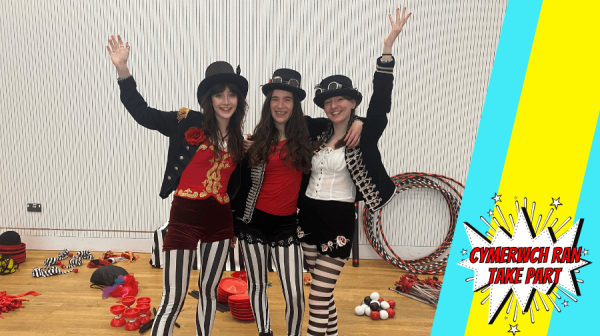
[(327, 224), (265, 228)]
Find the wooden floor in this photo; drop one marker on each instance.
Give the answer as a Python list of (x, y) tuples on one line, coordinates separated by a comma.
[(67, 306)]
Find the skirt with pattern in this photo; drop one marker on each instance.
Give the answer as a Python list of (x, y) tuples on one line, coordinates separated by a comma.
[(327, 224)]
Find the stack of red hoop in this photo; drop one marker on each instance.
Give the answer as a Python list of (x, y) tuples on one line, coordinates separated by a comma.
[(11, 246), (230, 286), (239, 305)]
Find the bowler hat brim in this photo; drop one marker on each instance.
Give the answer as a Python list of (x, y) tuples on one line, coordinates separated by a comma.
[(222, 78), (280, 86), (346, 92)]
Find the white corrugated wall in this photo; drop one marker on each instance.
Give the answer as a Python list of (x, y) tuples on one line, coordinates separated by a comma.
[(68, 143)]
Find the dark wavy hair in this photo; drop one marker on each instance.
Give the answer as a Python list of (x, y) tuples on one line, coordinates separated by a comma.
[(210, 125), (297, 149), (317, 145)]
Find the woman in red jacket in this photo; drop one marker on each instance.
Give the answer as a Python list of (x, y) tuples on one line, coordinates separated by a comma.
[(204, 150)]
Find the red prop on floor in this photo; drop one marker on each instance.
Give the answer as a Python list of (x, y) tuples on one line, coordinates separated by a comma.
[(131, 314), (12, 302), (239, 305), (144, 299), (129, 287), (128, 301), (144, 316), (118, 321), (239, 275), (230, 286)]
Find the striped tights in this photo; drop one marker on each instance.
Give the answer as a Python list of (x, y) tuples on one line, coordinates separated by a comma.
[(325, 272), (176, 278), (288, 261)]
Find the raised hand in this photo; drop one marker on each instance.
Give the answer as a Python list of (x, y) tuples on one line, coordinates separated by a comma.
[(396, 27), (119, 54)]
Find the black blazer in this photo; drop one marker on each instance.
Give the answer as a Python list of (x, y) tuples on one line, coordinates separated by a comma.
[(173, 125), (373, 184)]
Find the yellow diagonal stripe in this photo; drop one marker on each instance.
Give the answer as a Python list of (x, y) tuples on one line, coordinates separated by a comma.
[(552, 135)]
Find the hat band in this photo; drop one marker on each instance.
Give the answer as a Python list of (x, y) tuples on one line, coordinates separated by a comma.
[(331, 86), (278, 80)]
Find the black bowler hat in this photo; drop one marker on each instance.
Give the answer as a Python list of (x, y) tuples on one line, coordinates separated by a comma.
[(10, 238), (285, 79), (221, 72), (333, 86)]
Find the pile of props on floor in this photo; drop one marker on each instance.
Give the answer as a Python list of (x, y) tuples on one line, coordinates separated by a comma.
[(51, 264), (12, 302), (138, 316), (12, 247), (110, 258), (450, 189), (376, 307), (426, 291), (114, 281)]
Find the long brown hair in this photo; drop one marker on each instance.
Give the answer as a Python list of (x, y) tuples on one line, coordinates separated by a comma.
[(297, 148), (235, 137)]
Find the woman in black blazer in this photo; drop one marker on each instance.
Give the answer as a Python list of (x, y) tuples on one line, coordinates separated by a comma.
[(340, 176), (204, 151)]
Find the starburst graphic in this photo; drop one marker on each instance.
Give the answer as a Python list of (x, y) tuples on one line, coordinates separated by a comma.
[(555, 202), (513, 329), (496, 198), (521, 262)]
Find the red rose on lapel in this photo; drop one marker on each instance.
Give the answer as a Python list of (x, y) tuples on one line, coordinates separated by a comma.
[(195, 136)]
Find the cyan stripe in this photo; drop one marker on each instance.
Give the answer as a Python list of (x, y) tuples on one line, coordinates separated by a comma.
[(487, 163), (579, 318)]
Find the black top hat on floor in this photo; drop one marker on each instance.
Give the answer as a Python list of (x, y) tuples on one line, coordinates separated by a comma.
[(221, 72), (285, 79), (12, 246), (333, 86), (10, 238)]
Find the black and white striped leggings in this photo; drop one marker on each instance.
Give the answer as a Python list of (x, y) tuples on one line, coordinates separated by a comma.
[(176, 278), (288, 261), (325, 272)]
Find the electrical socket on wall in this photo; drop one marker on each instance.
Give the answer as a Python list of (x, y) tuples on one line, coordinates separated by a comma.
[(34, 207)]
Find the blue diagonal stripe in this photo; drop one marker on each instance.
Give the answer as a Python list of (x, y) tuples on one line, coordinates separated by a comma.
[(487, 163)]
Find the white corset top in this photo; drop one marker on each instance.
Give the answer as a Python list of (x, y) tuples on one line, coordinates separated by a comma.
[(330, 180)]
